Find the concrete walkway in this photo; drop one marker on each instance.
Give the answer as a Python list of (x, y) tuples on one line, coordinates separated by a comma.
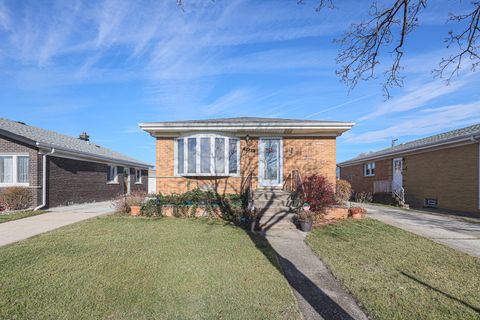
[(455, 233), (21, 229), (319, 294)]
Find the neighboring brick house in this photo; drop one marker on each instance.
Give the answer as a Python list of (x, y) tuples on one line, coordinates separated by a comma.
[(221, 154), (439, 171), (61, 170)]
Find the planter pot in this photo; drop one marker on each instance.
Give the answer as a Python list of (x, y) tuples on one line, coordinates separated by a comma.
[(305, 225), (357, 215), (135, 210)]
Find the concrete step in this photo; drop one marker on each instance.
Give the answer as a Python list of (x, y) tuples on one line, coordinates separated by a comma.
[(277, 223), (271, 203), (273, 211), (271, 195)]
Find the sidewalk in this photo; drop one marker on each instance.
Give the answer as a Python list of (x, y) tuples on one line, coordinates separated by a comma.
[(319, 294), (21, 229)]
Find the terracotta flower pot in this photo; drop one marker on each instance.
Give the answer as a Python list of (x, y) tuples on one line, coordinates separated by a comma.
[(135, 210), (357, 215)]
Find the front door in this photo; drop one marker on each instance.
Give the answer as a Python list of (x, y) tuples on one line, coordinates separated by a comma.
[(397, 181), (270, 162)]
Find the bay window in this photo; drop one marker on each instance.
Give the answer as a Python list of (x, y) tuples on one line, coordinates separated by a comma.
[(207, 155), (14, 169)]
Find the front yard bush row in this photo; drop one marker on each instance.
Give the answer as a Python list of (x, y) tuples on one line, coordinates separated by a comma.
[(322, 202), (193, 203)]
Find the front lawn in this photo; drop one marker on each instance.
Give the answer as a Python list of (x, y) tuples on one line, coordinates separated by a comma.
[(395, 274), (135, 268), (18, 215)]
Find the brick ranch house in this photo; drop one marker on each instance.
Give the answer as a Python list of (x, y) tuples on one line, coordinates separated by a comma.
[(440, 171), (220, 154), (62, 170)]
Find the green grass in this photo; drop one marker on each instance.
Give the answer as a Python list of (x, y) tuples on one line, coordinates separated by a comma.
[(395, 274), (134, 268), (19, 215)]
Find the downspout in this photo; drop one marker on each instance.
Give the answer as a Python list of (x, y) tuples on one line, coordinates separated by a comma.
[(44, 180)]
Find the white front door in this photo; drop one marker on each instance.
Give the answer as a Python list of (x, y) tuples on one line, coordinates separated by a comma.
[(397, 181), (270, 162)]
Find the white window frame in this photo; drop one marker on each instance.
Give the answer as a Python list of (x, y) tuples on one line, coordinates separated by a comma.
[(139, 181), (369, 166), (212, 173), (115, 179), (14, 182)]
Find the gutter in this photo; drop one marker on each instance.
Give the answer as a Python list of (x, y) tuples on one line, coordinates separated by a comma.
[(89, 156), (467, 139), (44, 180)]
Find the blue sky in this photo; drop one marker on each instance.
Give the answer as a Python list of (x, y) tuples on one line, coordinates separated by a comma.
[(103, 67)]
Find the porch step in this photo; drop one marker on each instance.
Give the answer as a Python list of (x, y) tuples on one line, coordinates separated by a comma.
[(272, 203), (273, 209), (268, 195)]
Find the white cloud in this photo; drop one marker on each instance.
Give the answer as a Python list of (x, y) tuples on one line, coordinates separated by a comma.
[(4, 16), (423, 122), (415, 98)]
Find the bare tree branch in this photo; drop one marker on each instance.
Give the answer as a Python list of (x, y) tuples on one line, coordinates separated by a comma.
[(467, 41), (321, 4), (363, 43)]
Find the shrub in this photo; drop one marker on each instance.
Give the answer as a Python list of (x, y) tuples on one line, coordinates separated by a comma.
[(363, 197), (152, 208), (318, 192), (123, 203), (343, 191), (16, 198)]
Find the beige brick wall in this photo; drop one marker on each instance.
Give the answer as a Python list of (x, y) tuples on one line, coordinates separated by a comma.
[(308, 155), (360, 183), (449, 175)]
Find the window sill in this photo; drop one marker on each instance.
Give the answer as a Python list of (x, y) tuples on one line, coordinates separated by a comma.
[(205, 175), (113, 182), (369, 175), (137, 183), (6, 185)]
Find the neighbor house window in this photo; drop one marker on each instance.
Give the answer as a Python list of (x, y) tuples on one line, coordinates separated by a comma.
[(369, 169), (207, 155), (112, 176), (138, 176), (14, 169)]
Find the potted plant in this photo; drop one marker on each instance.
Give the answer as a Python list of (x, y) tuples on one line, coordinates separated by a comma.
[(135, 201), (305, 219), (356, 212)]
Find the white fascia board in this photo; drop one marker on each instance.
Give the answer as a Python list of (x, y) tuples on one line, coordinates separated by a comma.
[(161, 129)]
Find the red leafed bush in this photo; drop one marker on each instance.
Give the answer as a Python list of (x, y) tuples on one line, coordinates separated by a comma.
[(319, 193)]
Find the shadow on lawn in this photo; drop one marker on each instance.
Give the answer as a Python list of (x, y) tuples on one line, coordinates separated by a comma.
[(477, 310), (313, 295)]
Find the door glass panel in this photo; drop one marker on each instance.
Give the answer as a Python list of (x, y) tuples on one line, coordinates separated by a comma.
[(271, 159)]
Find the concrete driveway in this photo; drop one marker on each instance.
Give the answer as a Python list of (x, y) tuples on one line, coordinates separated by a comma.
[(455, 233), (21, 229)]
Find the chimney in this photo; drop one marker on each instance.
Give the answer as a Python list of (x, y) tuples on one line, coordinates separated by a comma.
[(84, 136), (394, 142)]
